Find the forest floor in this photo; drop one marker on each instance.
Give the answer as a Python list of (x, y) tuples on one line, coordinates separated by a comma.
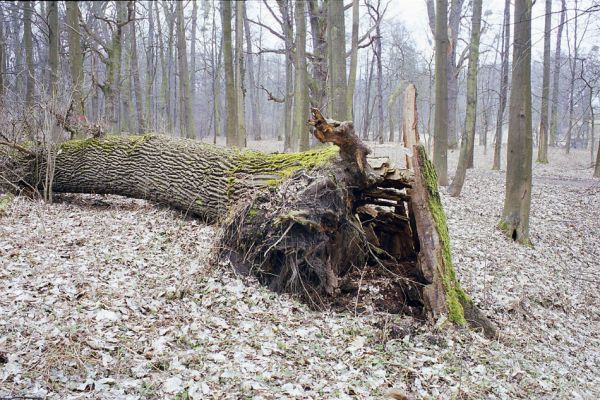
[(110, 298)]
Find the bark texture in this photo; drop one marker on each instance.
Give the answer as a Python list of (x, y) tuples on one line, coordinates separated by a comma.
[(517, 200), (440, 138), (543, 142)]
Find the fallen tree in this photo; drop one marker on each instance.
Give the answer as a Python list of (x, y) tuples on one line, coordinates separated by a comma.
[(321, 223)]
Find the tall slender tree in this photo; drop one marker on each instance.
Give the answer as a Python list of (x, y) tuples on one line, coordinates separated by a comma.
[(75, 56), (471, 113), (299, 140), (230, 100), (53, 45), (517, 201), (239, 74), (336, 35), (542, 156), (556, 77), (502, 96), (137, 84), (353, 60), (28, 43), (440, 144), (185, 96), (573, 69)]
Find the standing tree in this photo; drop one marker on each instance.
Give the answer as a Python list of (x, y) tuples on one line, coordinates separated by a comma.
[(75, 56), (470, 117), (440, 144), (185, 105), (137, 85), (336, 35), (556, 78), (53, 45), (353, 61), (300, 132), (230, 101), (503, 86), (239, 75), (543, 142), (517, 201), (28, 43)]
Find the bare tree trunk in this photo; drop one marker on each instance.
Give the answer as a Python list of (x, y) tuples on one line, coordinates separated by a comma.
[(151, 67), (137, 85), (556, 78), (353, 60), (503, 87), (466, 145), (336, 35), (288, 34), (379, 97), (543, 142), (193, 50), (185, 105), (216, 75), (240, 90), (517, 201), (440, 144), (368, 110), (75, 56), (318, 26), (299, 140), (53, 42), (452, 71), (230, 101), (28, 43), (2, 57), (254, 116), (573, 68)]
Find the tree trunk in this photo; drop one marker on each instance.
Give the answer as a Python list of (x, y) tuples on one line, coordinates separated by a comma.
[(453, 71), (517, 200), (379, 97), (75, 57), (336, 35), (240, 90), (287, 217), (28, 43), (300, 138), (543, 142), (193, 49), (252, 95), (53, 42), (556, 78), (503, 87), (288, 34), (151, 67), (137, 85), (573, 67), (440, 144), (230, 101), (353, 60), (466, 145), (318, 27), (185, 105)]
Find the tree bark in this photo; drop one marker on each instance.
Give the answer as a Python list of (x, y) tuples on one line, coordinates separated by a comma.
[(543, 142), (466, 145), (288, 34), (440, 144), (240, 90), (53, 43), (75, 56), (137, 85), (230, 101), (573, 68), (185, 105), (318, 27), (556, 77), (28, 43), (300, 138), (452, 71), (336, 35), (503, 87), (517, 200), (353, 60)]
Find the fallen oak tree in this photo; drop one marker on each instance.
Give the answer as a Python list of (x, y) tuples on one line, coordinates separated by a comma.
[(314, 223)]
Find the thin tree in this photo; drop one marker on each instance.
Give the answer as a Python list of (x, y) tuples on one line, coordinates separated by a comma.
[(440, 147), (299, 140), (471, 113), (573, 70), (353, 61), (137, 84), (556, 77), (185, 105), (28, 43), (543, 141), (75, 56), (502, 96), (53, 45), (336, 35), (230, 101), (517, 201), (239, 74)]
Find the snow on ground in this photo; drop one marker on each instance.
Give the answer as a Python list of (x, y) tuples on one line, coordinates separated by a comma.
[(103, 297)]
